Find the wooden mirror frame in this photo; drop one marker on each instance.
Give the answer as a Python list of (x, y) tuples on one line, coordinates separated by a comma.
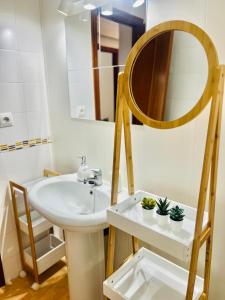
[(136, 51)]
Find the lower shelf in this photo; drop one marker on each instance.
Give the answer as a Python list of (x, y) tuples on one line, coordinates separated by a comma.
[(147, 276), (49, 251)]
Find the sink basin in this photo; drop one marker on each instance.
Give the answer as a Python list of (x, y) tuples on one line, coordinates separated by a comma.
[(80, 209), (72, 205)]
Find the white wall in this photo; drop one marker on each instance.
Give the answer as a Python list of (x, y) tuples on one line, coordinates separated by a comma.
[(165, 162), (23, 92)]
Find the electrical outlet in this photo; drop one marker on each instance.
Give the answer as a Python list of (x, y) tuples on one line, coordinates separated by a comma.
[(6, 120), (81, 111)]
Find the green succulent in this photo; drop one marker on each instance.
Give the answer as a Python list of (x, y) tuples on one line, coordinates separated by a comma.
[(176, 213), (148, 203), (163, 207)]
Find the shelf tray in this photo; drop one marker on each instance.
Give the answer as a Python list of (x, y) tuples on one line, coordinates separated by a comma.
[(49, 250), (147, 276), (127, 216), (39, 223)]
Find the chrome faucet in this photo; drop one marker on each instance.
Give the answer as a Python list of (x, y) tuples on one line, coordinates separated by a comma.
[(97, 177)]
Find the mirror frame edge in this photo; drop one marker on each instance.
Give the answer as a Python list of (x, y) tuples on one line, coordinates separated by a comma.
[(213, 63)]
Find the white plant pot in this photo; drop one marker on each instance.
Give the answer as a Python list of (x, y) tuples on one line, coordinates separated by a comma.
[(147, 214), (162, 220), (176, 226)]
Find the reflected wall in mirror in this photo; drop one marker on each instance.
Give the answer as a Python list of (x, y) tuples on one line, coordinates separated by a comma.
[(98, 43), (169, 76)]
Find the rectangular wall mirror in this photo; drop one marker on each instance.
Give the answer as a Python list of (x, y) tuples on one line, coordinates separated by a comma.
[(98, 42)]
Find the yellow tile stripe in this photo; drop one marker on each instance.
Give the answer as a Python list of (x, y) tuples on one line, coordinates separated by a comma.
[(24, 144)]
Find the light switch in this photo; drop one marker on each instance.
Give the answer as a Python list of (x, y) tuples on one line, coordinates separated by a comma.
[(6, 120)]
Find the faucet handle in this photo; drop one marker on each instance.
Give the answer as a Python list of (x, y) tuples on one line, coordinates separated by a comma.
[(97, 172), (97, 176)]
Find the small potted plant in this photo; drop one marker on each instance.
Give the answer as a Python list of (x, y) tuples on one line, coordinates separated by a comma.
[(176, 218), (148, 205), (163, 211)]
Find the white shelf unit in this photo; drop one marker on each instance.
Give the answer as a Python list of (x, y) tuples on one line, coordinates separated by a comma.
[(127, 216), (44, 249), (147, 276), (49, 250)]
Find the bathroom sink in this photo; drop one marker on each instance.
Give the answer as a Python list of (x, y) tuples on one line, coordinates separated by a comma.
[(72, 205), (80, 209)]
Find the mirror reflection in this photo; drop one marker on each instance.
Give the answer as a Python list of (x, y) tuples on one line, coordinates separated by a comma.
[(98, 43), (169, 76)]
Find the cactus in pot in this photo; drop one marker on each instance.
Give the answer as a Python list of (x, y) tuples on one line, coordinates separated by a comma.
[(148, 205), (162, 211), (176, 218)]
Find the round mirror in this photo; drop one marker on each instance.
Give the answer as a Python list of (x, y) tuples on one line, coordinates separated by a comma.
[(169, 73)]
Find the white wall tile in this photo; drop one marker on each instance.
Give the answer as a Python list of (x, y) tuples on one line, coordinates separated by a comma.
[(9, 71), (28, 25), (42, 158), (29, 163), (35, 98), (31, 67), (78, 54), (37, 124), (12, 97), (80, 95), (18, 132), (8, 38), (23, 92), (7, 7)]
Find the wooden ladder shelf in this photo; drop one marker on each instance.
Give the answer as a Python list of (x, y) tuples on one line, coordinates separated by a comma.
[(201, 235), (51, 248)]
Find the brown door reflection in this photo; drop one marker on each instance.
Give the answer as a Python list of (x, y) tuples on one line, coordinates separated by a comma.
[(150, 77), (121, 17)]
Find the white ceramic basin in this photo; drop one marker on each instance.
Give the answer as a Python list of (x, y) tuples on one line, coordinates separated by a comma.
[(72, 205), (80, 209)]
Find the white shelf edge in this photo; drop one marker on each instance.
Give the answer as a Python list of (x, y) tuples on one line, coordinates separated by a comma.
[(162, 239), (156, 270), (39, 223), (50, 256)]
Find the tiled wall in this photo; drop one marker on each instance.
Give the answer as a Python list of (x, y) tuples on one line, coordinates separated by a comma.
[(22, 92)]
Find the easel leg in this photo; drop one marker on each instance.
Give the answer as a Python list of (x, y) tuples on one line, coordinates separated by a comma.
[(129, 162), (115, 175), (207, 165), (213, 185), (111, 250)]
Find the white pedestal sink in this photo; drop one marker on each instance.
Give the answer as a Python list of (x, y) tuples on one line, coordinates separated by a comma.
[(80, 210)]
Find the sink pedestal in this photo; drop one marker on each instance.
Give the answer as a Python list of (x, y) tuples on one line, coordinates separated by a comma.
[(86, 264)]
